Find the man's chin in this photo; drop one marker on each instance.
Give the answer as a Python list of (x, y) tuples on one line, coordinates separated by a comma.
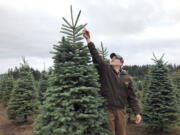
[(115, 65)]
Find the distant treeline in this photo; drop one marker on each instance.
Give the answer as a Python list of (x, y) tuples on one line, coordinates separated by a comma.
[(136, 71), (139, 72), (16, 72)]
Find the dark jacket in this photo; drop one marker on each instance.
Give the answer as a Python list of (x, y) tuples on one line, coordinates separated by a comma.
[(117, 88)]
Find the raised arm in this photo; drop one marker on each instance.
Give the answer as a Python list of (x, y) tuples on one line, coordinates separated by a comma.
[(97, 59)]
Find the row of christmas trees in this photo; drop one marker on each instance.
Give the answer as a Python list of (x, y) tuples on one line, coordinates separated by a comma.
[(67, 100), (22, 94)]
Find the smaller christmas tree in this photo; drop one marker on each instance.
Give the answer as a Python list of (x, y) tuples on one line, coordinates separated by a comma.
[(160, 106), (103, 52), (6, 88), (23, 101)]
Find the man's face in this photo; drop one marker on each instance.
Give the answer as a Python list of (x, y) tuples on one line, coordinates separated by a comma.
[(115, 62)]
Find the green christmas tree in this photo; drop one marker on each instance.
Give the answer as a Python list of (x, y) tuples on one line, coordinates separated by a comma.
[(23, 101), (160, 106), (6, 88), (73, 105)]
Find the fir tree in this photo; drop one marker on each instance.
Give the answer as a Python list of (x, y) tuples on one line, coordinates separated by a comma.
[(160, 107), (73, 105), (6, 88), (23, 101)]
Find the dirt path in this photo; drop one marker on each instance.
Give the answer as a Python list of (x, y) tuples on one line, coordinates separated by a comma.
[(8, 128), (4, 124), (140, 130)]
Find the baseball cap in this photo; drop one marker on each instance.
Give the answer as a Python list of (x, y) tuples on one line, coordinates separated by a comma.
[(117, 56)]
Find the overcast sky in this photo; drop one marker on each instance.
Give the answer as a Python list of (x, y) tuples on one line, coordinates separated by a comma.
[(132, 28)]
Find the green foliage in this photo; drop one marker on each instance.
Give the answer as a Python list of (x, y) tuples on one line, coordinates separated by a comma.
[(73, 30), (103, 52), (6, 86), (0, 89), (73, 105), (145, 85), (137, 71), (16, 73), (176, 79), (43, 85), (160, 106), (23, 101), (1, 86)]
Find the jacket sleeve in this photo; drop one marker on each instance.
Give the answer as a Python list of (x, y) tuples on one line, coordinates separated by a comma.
[(96, 58), (132, 99)]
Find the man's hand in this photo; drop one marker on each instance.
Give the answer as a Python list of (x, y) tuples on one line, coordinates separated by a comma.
[(138, 119), (86, 35)]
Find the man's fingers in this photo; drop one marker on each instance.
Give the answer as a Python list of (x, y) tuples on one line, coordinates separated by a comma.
[(86, 33), (137, 121), (84, 30)]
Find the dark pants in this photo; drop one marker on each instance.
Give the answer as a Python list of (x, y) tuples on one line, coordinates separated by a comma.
[(117, 121)]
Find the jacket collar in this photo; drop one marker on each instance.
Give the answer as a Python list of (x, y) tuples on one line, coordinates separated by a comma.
[(121, 71)]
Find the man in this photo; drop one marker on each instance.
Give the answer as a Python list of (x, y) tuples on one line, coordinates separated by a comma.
[(116, 87)]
